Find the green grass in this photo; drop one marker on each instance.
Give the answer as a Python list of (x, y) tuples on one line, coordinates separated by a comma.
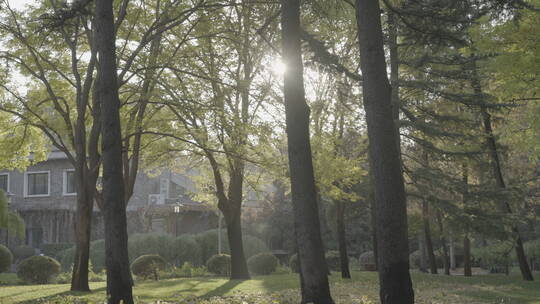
[(361, 289)]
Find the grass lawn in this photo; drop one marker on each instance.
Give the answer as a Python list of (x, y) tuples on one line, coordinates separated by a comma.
[(279, 288)]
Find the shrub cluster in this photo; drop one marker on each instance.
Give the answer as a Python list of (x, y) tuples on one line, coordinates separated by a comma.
[(219, 264), (367, 261), (293, 263), (148, 266), (333, 260), (97, 257), (38, 269), (262, 264), (23, 252), (6, 258), (55, 250)]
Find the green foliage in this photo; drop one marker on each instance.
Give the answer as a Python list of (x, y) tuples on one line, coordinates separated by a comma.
[(187, 250), (38, 269), (22, 252), (97, 256), (367, 261), (148, 266), (55, 250), (333, 260), (10, 220), (6, 258), (160, 244), (496, 257), (219, 264), (186, 271), (208, 242), (263, 263), (293, 263)]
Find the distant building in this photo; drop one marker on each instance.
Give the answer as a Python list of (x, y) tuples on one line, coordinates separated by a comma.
[(45, 197)]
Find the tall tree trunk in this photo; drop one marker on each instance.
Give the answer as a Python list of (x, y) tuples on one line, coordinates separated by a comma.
[(467, 269), (427, 236), (452, 254), (373, 209), (306, 213), (446, 258), (497, 170), (342, 240), (239, 269), (119, 280), (422, 250), (85, 204), (392, 238)]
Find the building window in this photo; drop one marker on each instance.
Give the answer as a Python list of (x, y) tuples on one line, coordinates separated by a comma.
[(36, 183), (70, 186), (4, 182)]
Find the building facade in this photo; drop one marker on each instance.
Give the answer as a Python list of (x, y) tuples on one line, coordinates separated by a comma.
[(45, 196)]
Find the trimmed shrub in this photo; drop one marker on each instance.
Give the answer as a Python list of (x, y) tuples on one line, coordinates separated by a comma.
[(367, 261), (532, 251), (333, 260), (187, 250), (496, 258), (262, 264), (38, 269), (208, 243), (23, 252), (149, 265), (415, 259), (97, 257), (219, 264), (6, 258), (55, 250), (293, 263)]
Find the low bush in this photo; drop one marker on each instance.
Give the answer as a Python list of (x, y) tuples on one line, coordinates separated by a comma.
[(186, 271), (38, 269), (175, 251), (148, 266), (219, 264), (367, 261), (55, 250), (293, 263), (208, 244), (496, 258), (97, 256), (262, 264), (23, 252), (6, 258), (333, 260)]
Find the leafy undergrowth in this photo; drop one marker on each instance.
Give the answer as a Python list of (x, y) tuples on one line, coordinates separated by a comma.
[(282, 288)]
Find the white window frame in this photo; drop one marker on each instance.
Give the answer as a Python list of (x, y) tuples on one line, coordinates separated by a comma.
[(26, 184), (8, 181), (65, 181)]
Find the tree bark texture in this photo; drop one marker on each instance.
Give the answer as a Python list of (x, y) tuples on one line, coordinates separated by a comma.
[(446, 257), (119, 280), (392, 238), (311, 257), (342, 240), (427, 236)]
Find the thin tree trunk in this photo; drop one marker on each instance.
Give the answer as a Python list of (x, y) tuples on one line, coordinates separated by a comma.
[(427, 235), (83, 223), (392, 238), (497, 171), (313, 266), (119, 280), (373, 209), (342, 240), (452, 254), (422, 250), (467, 270), (446, 258)]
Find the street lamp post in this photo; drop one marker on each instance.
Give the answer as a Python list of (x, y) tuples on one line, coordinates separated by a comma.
[(9, 195), (176, 212)]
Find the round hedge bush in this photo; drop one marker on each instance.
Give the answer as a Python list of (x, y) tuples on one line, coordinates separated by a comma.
[(6, 258), (219, 264), (149, 265), (97, 256), (262, 264), (23, 252), (208, 244), (367, 261), (38, 269), (293, 263), (333, 260)]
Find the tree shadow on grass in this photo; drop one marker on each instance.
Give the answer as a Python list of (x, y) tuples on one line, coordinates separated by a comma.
[(223, 289), (48, 299)]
